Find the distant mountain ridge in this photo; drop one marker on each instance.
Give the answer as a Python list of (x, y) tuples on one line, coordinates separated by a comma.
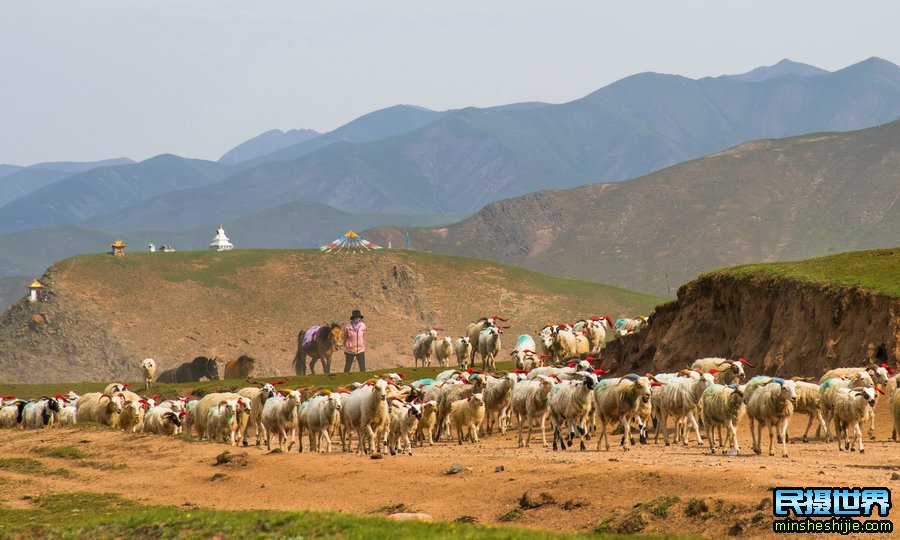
[(783, 68), (266, 143), (762, 201)]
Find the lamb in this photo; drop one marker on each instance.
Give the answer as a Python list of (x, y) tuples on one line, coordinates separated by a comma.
[(808, 402), (320, 415), (722, 405), (40, 414), (770, 401), (467, 413), (570, 402), (497, 399), (850, 408), (425, 427), (280, 414), (529, 401), (100, 408), (524, 350), (68, 413), (856, 379), (404, 419), (257, 397), (423, 348), (161, 420), (443, 350), (679, 397), (620, 399), (463, 347), (148, 368), (366, 410), (727, 371), (448, 394), (489, 347), (222, 421)]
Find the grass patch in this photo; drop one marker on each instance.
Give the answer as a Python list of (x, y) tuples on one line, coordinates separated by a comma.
[(62, 452), (31, 466), (393, 509), (103, 465), (659, 506), (512, 515), (605, 526), (79, 515), (875, 270)]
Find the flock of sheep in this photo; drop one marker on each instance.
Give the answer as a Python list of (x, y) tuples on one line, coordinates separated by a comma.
[(559, 384)]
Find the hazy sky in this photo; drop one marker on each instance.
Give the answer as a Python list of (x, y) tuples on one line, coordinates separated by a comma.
[(93, 79)]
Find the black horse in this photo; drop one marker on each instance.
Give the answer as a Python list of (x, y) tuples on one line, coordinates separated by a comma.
[(191, 371)]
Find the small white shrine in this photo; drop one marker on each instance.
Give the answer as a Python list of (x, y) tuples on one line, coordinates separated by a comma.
[(34, 290), (220, 241)]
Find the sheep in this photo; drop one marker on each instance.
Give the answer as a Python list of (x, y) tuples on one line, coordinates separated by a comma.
[(320, 415), (850, 408), (242, 368), (132, 415), (114, 388), (467, 413), (423, 347), (40, 414), (366, 410), (497, 398), (473, 332), (856, 379), (489, 347), (881, 378), (11, 414), (161, 420), (570, 402), (463, 347), (404, 419), (808, 402), (68, 413), (595, 331), (198, 416), (727, 371), (722, 405), (148, 368), (769, 401), (529, 401), (443, 350), (620, 399), (280, 414), (564, 344), (425, 427), (449, 393), (679, 397), (257, 397), (100, 408), (524, 350), (626, 325), (895, 413), (222, 421)]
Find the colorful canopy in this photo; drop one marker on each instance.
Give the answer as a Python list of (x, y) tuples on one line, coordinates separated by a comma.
[(349, 243)]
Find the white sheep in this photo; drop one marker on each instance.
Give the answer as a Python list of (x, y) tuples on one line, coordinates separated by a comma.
[(198, 415), (148, 368), (627, 325), (895, 413), (726, 371), (320, 415), (723, 406), (850, 408), (463, 348), (524, 350), (161, 420), (619, 399), (404, 419), (11, 413), (366, 412), (443, 350), (449, 392), (132, 415), (40, 414), (529, 402), (564, 345), (257, 397), (425, 427), (222, 422), (279, 416), (497, 390), (100, 408), (423, 347), (881, 379), (467, 414), (570, 402), (489, 347), (68, 413), (828, 388), (769, 401), (679, 397), (808, 403)]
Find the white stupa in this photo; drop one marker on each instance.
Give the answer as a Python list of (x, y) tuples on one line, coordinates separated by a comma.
[(220, 241)]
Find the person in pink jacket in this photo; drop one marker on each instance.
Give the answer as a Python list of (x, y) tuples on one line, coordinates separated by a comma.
[(355, 341)]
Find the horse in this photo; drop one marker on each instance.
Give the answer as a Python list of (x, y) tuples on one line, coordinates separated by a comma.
[(191, 371), (242, 368), (328, 340)]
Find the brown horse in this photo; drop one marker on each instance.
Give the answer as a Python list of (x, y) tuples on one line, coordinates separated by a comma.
[(328, 341)]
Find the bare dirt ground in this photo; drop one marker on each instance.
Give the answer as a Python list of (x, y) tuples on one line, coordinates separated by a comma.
[(596, 485)]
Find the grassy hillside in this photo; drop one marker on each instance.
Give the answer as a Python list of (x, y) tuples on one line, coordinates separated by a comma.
[(877, 270), (768, 200), (106, 313)]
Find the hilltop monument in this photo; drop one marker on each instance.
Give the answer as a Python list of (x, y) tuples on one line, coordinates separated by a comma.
[(35, 290), (349, 243), (220, 241), (118, 248)]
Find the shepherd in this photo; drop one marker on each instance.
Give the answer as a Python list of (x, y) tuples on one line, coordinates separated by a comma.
[(355, 341), (319, 343)]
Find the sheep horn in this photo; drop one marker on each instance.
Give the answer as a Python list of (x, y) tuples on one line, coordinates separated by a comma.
[(746, 363), (499, 318)]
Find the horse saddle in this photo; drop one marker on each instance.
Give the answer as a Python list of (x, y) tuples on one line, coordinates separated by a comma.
[(309, 337)]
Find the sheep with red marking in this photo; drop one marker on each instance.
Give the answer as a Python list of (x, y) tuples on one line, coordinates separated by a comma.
[(100, 408), (570, 403), (619, 399), (723, 406), (497, 391), (679, 397), (450, 393), (222, 421), (258, 397), (280, 417), (423, 347), (443, 351), (770, 402), (467, 414), (320, 415), (528, 400), (161, 420), (404, 420), (40, 414), (523, 352), (829, 388), (366, 411), (851, 407), (463, 349), (881, 377), (489, 347), (727, 371)]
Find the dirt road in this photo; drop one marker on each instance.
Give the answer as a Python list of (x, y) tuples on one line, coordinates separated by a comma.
[(587, 487)]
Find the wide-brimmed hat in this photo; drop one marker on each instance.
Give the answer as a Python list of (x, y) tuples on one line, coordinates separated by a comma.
[(356, 313)]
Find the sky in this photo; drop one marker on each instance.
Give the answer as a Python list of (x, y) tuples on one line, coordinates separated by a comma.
[(97, 79)]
